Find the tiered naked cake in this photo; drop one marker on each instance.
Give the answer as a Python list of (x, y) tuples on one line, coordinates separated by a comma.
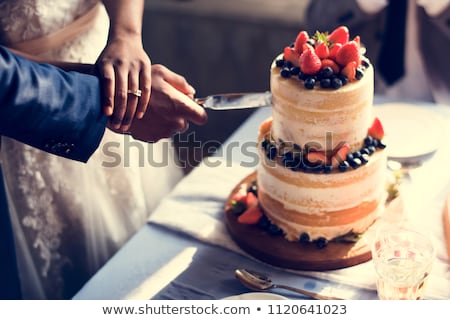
[(322, 172)]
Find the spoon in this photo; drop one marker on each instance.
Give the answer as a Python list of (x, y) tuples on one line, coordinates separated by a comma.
[(260, 282)]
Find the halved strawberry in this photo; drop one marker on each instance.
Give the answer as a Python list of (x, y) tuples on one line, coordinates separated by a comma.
[(250, 216), (251, 200), (334, 49), (291, 55), (309, 62), (316, 157), (322, 50), (348, 53), (340, 155), (301, 39), (376, 130), (330, 63), (339, 35), (350, 71)]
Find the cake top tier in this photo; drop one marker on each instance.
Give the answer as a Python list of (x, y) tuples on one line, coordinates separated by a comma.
[(329, 60)]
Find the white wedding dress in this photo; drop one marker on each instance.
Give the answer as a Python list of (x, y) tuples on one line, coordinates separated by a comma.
[(70, 217)]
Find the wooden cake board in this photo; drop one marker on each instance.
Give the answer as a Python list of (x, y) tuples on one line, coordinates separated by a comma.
[(277, 251)]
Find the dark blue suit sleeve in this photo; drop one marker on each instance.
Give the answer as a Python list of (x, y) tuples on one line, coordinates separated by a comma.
[(50, 109)]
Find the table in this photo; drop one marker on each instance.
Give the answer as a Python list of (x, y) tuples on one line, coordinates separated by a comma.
[(162, 263)]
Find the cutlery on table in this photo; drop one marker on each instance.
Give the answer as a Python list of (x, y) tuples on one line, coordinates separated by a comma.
[(232, 101), (257, 281)]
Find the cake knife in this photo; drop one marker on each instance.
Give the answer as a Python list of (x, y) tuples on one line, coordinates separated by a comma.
[(232, 101)]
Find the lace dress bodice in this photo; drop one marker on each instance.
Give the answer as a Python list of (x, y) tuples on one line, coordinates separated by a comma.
[(70, 217)]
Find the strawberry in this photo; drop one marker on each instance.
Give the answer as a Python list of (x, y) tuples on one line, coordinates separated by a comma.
[(301, 39), (241, 194), (291, 55), (376, 130), (251, 200), (265, 126), (340, 155), (322, 50), (250, 216), (334, 49), (348, 53), (330, 63), (357, 39), (339, 35), (309, 62), (316, 157), (350, 71)]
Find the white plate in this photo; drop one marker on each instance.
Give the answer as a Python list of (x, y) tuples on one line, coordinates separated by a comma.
[(256, 296), (411, 132)]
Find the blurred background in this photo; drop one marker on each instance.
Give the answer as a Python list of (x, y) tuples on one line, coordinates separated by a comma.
[(220, 46)]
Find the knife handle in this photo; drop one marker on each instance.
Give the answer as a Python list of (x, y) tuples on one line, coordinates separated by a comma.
[(446, 220)]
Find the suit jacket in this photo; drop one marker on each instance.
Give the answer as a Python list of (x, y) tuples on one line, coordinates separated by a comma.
[(55, 111), (434, 37)]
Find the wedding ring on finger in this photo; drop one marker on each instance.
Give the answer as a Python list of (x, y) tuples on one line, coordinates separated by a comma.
[(136, 92)]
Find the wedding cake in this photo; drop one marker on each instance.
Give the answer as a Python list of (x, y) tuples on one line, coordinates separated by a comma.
[(322, 169)]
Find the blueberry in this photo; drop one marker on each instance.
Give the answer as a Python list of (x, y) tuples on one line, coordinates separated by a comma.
[(319, 168), (364, 158), (265, 143), (302, 76), (264, 222), (349, 157), (364, 151), (297, 148), (325, 83), (368, 141), (371, 149), (280, 63), (356, 163), (274, 229), (343, 166), (288, 64), (285, 72), (381, 144), (365, 63), (294, 71), (304, 238), (359, 74), (271, 151), (327, 168), (336, 83), (356, 154), (310, 82), (253, 189), (344, 79), (321, 242), (326, 72)]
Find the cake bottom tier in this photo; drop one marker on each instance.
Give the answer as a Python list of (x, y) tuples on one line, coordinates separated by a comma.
[(319, 204)]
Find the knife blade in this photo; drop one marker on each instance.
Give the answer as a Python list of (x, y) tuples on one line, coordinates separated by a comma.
[(446, 221), (233, 101)]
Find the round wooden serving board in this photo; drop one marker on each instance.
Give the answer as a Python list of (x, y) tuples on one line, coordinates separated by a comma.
[(277, 251)]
